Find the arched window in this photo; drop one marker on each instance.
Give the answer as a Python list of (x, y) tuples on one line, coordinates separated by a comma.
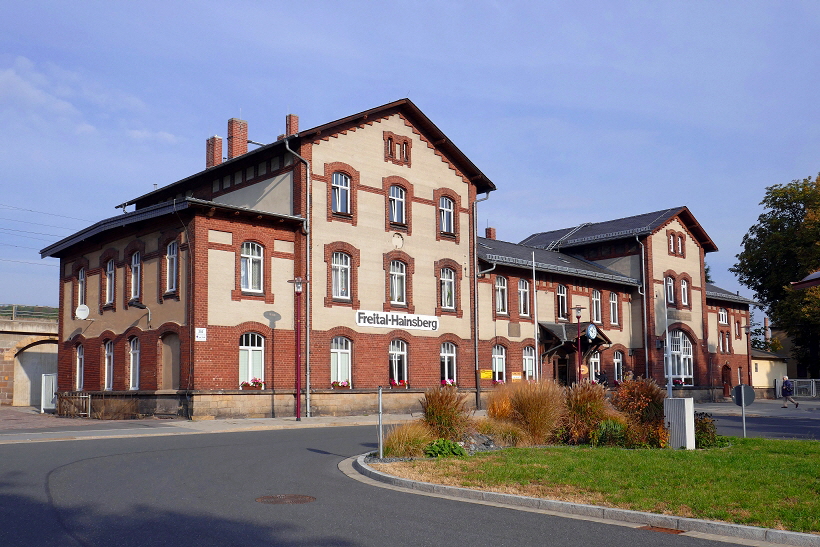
[(448, 289), (79, 376), (596, 306), (613, 308), (446, 211), (340, 195), (670, 290), (340, 354), (529, 363), (723, 316), (134, 358), (618, 366), (447, 357), (684, 292), (396, 202), (398, 362), (500, 294), (398, 280), (680, 354), (594, 366), (340, 275), (136, 268), (523, 297), (561, 301), (81, 287), (251, 357), (251, 267), (109, 282), (171, 266), (108, 346), (499, 363)]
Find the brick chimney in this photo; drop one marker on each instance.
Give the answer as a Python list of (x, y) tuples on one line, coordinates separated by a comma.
[(489, 232), (237, 137), (213, 151), (291, 124)]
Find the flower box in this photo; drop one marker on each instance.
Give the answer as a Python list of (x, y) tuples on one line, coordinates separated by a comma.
[(254, 385), (251, 388), (340, 385)]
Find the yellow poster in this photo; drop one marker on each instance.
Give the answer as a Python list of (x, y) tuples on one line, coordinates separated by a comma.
[(486, 374), (515, 377)]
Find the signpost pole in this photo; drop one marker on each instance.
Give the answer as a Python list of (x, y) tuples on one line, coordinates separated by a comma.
[(743, 408)]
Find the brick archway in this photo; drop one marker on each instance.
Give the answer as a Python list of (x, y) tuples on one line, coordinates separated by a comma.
[(26, 361)]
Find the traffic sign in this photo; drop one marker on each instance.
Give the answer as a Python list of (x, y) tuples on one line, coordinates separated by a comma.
[(745, 398)]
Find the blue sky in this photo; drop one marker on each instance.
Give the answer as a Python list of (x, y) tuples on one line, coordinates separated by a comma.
[(579, 111)]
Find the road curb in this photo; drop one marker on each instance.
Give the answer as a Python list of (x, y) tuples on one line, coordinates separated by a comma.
[(781, 537)]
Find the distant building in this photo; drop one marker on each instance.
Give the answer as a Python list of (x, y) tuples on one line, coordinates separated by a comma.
[(190, 295)]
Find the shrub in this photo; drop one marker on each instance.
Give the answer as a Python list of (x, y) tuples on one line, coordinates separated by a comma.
[(610, 432), (407, 440), (498, 403), (503, 433), (587, 407), (641, 400), (538, 408), (441, 448), (647, 435), (445, 412), (706, 435)]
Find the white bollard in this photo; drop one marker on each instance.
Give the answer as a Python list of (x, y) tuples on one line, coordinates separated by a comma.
[(679, 415)]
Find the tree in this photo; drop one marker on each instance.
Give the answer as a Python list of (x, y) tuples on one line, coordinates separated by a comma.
[(708, 272), (784, 246)]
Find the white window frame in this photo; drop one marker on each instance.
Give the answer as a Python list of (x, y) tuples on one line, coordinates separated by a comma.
[(596, 306), (523, 297), (398, 282), (680, 245), (110, 279), (684, 292), (136, 275), (672, 243), (398, 360), (134, 363), (528, 360), (109, 364), (670, 290), (340, 200), (81, 287), (252, 267), (396, 203), (80, 368), (341, 352), (171, 266), (594, 361), (448, 289), (251, 357), (723, 316), (680, 353), (501, 295), (446, 209), (614, 316), (340, 275), (499, 363), (618, 365), (562, 302), (447, 358)]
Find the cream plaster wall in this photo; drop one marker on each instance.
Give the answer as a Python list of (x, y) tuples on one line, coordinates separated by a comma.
[(274, 195), (363, 149), (767, 372), (218, 236)]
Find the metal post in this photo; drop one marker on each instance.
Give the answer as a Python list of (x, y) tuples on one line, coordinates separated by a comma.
[(297, 290), (667, 354), (381, 432), (743, 408), (578, 375)]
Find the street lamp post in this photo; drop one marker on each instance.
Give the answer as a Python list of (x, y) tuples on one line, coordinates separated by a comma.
[(297, 289), (748, 329), (578, 318)]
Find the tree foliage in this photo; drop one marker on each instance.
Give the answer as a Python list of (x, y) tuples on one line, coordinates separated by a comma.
[(784, 246)]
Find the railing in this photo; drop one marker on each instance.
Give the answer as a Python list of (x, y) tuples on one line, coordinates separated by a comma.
[(74, 404), (806, 388), (16, 312)]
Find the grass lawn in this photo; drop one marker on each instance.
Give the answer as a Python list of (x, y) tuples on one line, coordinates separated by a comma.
[(758, 482)]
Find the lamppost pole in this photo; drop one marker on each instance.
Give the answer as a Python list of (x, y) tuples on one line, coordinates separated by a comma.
[(297, 289), (578, 318)]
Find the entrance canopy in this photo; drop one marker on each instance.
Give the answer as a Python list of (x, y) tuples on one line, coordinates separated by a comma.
[(562, 339)]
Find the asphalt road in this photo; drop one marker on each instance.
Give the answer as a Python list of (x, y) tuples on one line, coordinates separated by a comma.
[(201, 490)]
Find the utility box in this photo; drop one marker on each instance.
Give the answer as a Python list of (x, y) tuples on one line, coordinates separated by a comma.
[(679, 415)]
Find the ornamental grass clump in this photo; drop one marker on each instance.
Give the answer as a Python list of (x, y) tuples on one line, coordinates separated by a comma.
[(538, 408), (498, 402), (407, 440), (641, 400), (503, 433), (445, 412), (587, 407)]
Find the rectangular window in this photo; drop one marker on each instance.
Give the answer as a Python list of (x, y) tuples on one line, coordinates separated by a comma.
[(109, 365), (340, 275), (398, 363), (501, 295), (529, 363), (251, 362), (670, 290), (596, 306), (446, 209), (524, 297), (684, 292), (81, 287), (613, 308), (561, 301), (397, 203), (340, 352), (80, 368), (499, 363), (397, 283), (134, 353), (171, 266), (448, 289), (447, 357), (136, 268), (251, 267), (340, 194), (109, 282)]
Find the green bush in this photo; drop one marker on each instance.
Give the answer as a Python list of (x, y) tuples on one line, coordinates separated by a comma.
[(609, 433), (706, 435), (441, 448), (445, 412)]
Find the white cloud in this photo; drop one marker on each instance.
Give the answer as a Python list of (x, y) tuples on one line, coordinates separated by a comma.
[(145, 135)]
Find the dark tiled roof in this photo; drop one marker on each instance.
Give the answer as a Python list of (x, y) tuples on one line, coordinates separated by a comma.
[(619, 228), (761, 354), (716, 293), (520, 256)]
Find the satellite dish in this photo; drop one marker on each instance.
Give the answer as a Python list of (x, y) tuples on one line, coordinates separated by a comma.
[(81, 312)]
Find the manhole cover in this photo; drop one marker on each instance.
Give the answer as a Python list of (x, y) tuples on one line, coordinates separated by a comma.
[(661, 530), (286, 498)]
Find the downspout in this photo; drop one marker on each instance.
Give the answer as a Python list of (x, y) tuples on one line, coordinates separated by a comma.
[(642, 292), (537, 365), (475, 299), (309, 291)]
